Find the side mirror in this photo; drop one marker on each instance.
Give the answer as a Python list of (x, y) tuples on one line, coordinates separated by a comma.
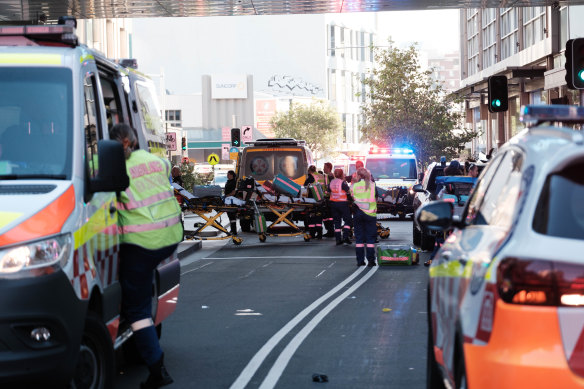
[(418, 188), (111, 175), (435, 216)]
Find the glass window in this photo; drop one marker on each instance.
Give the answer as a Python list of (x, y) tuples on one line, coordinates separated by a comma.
[(264, 164), (36, 121), (383, 168), (151, 118), (363, 44), (92, 128), (332, 41), (499, 201), (534, 23), (560, 212)]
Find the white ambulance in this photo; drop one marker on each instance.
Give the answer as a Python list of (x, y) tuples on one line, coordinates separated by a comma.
[(395, 170), (59, 292)]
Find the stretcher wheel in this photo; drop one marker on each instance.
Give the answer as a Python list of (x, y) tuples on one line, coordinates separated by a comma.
[(237, 241), (384, 234), (307, 237), (262, 237)]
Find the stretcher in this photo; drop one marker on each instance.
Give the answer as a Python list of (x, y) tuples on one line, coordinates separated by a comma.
[(279, 213), (394, 201), (210, 210)]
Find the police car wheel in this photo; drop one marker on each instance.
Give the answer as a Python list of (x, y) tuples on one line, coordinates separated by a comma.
[(95, 362)]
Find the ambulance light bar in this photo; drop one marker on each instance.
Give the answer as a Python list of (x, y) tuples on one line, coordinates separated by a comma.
[(357, 158), (53, 33), (386, 150), (536, 114)]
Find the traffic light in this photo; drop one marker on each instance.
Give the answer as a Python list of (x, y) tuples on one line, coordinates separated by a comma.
[(184, 143), (575, 63), (498, 94), (235, 137)]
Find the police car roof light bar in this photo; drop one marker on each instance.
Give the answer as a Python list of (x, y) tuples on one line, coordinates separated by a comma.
[(533, 115)]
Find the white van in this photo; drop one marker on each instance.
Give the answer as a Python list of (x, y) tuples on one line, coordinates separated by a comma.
[(59, 292)]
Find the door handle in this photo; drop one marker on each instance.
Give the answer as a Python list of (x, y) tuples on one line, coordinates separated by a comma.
[(112, 209), (446, 255), (463, 260)]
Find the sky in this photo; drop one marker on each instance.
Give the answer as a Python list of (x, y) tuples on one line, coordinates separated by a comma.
[(168, 45)]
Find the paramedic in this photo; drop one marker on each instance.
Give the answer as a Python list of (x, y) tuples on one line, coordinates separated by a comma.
[(365, 217), (327, 216), (315, 218), (145, 241), (339, 202), (230, 189)]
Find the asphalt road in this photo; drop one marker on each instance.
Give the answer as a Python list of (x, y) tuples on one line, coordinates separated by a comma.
[(265, 315)]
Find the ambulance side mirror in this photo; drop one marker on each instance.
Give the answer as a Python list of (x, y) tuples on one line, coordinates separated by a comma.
[(111, 174)]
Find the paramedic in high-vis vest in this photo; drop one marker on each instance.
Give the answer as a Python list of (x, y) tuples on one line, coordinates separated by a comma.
[(365, 217), (150, 226), (339, 203)]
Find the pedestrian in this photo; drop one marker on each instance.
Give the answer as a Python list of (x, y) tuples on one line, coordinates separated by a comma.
[(340, 194), (473, 170), (364, 217), (327, 216), (314, 219), (230, 190), (177, 176), (150, 226)]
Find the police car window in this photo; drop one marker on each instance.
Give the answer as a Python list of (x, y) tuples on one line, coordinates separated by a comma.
[(559, 211), (500, 200), (477, 196)]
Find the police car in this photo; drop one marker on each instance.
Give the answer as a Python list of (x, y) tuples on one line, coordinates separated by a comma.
[(506, 290), (394, 169)]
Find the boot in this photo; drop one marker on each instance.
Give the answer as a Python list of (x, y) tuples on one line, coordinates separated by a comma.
[(158, 376)]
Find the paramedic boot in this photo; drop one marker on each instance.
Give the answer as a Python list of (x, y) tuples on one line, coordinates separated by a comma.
[(158, 376), (234, 228)]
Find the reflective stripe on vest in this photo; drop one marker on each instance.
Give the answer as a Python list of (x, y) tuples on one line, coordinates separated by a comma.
[(337, 192), (365, 199), (149, 215)]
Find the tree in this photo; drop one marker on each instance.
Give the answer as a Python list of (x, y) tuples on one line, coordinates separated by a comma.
[(405, 107), (318, 124)]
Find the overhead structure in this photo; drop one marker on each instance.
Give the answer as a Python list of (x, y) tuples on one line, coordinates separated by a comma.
[(35, 11)]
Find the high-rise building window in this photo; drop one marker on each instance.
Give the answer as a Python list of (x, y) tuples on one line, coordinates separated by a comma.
[(563, 26), (534, 24), (472, 31), (509, 32), (332, 83), (173, 117), (332, 41), (362, 44), (342, 43), (371, 47), (489, 36)]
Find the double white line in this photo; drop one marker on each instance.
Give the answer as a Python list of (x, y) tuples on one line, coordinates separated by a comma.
[(276, 371)]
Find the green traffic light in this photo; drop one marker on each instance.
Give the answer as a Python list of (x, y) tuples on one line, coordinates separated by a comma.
[(496, 103), (581, 75)]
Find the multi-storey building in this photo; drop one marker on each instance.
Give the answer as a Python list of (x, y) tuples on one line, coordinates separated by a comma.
[(525, 44), (446, 70)]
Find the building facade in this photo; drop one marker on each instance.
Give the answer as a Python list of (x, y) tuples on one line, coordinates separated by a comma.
[(525, 44)]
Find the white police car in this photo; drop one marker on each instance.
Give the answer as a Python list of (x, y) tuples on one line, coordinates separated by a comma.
[(506, 291)]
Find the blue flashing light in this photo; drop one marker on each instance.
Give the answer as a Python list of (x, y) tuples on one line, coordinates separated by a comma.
[(552, 113)]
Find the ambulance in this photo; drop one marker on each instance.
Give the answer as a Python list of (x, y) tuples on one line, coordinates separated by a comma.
[(394, 170), (60, 297)]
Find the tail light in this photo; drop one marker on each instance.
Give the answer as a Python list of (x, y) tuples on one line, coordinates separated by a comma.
[(540, 282)]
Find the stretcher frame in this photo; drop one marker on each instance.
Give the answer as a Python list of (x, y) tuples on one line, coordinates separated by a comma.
[(202, 209), (283, 211)]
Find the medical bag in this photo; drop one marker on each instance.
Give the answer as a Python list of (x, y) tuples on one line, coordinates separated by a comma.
[(284, 185), (316, 191), (260, 223), (391, 254)]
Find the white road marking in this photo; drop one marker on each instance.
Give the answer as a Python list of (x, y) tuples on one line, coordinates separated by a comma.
[(197, 268), (286, 257), (276, 371), (254, 364), (319, 274)]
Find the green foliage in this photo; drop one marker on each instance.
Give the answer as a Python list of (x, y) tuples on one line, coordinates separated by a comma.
[(191, 178), (318, 124), (406, 108)]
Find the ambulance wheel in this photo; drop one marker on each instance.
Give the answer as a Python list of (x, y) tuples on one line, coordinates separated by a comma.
[(237, 241), (307, 237), (95, 362), (245, 225), (262, 237)]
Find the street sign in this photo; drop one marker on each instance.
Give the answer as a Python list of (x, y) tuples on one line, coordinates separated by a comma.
[(213, 159), (234, 150), (233, 156), (225, 151), (246, 134), (226, 134), (171, 141)]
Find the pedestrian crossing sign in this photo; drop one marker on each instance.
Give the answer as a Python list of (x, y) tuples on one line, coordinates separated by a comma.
[(213, 159)]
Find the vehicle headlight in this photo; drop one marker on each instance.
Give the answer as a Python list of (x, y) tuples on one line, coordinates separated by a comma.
[(35, 258)]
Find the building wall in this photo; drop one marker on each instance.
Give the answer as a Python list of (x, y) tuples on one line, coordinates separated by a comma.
[(108, 36)]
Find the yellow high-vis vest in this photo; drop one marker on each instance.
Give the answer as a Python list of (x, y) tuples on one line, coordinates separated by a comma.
[(365, 199)]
